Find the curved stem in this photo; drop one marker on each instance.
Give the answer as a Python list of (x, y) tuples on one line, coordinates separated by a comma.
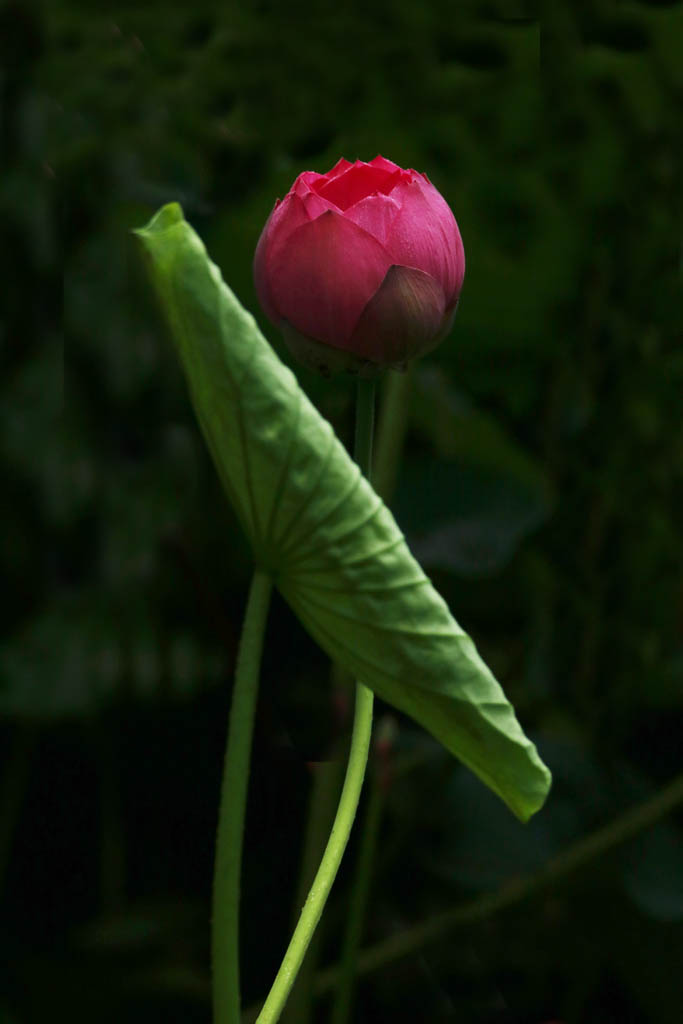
[(325, 790), (360, 891), (334, 851), (353, 781), (226, 882), (568, 861), (387, 449)]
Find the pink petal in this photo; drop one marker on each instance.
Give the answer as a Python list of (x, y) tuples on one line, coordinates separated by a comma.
[(450, 226), (308, 182), (374, 214), (305, 181), (315, 205), (261, 274), (285, 217), (381, 161), (339, 168), (356, 183), (425, 235), (402, 319), (322, 278)]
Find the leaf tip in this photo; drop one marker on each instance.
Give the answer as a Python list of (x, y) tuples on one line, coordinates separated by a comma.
[(526, 809), (166, 217)]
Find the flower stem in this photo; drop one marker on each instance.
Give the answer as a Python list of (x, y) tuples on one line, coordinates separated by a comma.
[(563, 866), (353, 781), (360, 891), (560, 867), (392, 428), (365, 425), (324, 797), (226, 883)]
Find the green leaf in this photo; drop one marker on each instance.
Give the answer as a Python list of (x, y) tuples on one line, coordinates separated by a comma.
[(316, 524)]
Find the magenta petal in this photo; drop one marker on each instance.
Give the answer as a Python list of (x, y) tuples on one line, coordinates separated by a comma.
[(339, 168), (402, 320), (261, 273), (322, 279), (356, 183), (424, 235), (305, 182), (315, 205), (452, 232), (285, 217), (381, 161), (374, 214)]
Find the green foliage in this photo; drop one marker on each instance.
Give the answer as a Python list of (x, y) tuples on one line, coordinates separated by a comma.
[(557, 139), (316, 524)]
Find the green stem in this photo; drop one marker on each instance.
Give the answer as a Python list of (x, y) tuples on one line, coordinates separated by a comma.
[(334, 851), (570, 860), (391, 431), (393, 422), (226, 883), (360, 891), (325, 790), (365, 425), (560, 867), (387, 450), (353, 781)]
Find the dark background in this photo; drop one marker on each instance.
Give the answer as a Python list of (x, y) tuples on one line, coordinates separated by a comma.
[(541, 487)]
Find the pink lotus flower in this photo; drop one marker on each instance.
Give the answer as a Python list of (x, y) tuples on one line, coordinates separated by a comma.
[(361, 267)]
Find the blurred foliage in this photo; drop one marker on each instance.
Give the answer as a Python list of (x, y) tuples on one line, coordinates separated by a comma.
[(541, 485)]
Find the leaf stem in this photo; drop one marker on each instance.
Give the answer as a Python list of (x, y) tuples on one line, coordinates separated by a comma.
[(229, 841), (353, 781)]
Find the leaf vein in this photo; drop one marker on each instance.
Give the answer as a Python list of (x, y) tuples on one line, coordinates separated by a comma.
[(331, 512), (448, 634), (379, 589), (323, 469), (313, 551), (282, 479)]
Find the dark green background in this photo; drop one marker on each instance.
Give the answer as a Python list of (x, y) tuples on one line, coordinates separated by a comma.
[(541, 487)]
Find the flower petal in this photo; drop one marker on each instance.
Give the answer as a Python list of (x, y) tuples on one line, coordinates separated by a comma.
[(450, 226), (425, 235), (287, 215), (339, 168), (356, 183), (381, 161), (374, 214), (402, 319), (322, 278), (315, 205), (260, 271), (305, 181)]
